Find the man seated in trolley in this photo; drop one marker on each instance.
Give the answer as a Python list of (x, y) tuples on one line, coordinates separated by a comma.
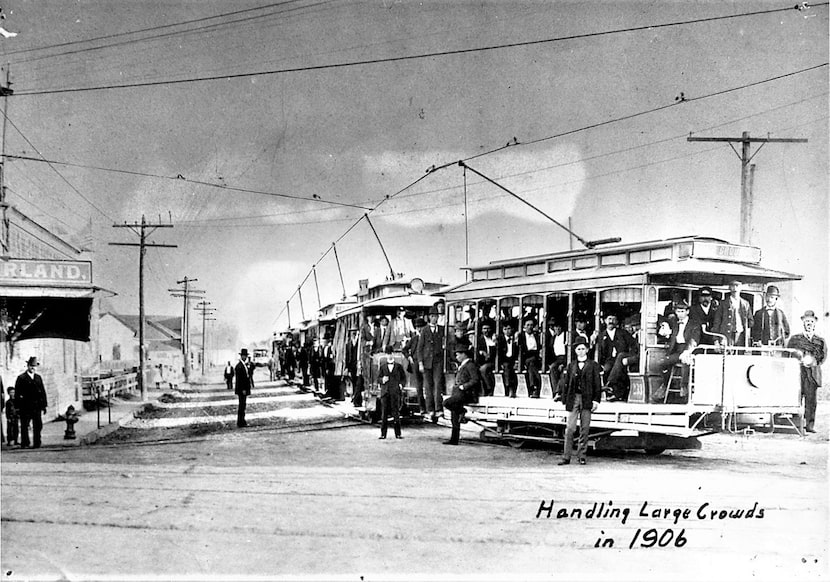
[(633, 286)]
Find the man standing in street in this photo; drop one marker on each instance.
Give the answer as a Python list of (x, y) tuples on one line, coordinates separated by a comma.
[(392, 379), (229, 376), (465, 390), (244, 374), (813, 352), (770, 326), (30, 400), (581, 389), (733, 318)]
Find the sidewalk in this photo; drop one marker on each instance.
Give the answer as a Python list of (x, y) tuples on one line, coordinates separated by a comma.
[(92, 424)]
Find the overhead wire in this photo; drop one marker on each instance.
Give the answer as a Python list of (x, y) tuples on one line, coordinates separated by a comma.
[(428, 55)]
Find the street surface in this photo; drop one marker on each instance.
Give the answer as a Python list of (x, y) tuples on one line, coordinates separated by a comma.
[(299, 496)]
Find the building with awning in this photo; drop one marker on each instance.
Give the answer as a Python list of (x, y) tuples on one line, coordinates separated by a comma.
[(47, 303)]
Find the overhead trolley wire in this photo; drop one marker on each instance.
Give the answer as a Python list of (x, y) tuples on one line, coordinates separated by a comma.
[(410, 57)]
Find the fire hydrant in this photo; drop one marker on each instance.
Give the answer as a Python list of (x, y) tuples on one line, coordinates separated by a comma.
[(71, 417)]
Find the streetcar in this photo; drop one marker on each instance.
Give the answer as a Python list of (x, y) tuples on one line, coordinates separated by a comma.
[(395, 298), (729, 387)]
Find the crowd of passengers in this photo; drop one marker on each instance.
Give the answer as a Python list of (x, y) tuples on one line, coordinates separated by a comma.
[(680, 329)]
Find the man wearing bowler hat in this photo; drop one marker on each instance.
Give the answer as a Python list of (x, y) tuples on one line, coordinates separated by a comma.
[(465, 390), (244, 373), (703, 312), (30, 400), (771, 327), (813, 352), (430, 358)]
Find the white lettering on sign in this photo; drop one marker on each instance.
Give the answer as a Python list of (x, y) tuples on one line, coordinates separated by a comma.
[(737, 253), (46, 271)]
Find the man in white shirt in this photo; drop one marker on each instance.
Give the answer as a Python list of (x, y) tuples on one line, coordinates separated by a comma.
[(684, 338)]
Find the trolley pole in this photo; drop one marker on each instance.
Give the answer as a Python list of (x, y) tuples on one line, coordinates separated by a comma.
[(142, 229), (746, 171)]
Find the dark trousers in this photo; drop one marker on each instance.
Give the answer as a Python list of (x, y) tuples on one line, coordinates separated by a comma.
[(12, 430), (488, 378), (556, 368), (229, 382), (808, 391), (357, 387), (616, 376), (534, 376), (455, 404), (240, 414), (511, 380), (668, 363), (434, 388), (390, 403), (34, 418), (305, 375), (581, 413)]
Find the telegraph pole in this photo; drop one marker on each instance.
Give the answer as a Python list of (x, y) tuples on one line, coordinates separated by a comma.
[(202, 307), (5, 91), (186, 293), (142, 229), (747, 171)]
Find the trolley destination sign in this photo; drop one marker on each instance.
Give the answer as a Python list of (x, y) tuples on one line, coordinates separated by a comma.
[(45, 272)]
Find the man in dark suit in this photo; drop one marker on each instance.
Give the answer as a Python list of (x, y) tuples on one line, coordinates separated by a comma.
[(733, 318), (770, 325), (465, 390), (392, 379), (331, 386), (529, 354), (581, 389), (431, 364), (813, 351), (703, 313), (616, 349), (352, 358), (685, 337), (508, 352), (244, 380), (411, 353), (30, 400)]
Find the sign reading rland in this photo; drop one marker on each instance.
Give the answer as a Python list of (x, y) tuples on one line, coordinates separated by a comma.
[(39, 271)]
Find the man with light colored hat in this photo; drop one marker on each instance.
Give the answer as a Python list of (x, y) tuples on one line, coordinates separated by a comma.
[(813, 351), (734, 320), (30, 400), (771, 327)]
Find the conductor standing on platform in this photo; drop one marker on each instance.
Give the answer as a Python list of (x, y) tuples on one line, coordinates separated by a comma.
[(244, 375), (30, 400)]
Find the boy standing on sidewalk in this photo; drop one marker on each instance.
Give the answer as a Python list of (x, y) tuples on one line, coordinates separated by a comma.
[(12, 419)]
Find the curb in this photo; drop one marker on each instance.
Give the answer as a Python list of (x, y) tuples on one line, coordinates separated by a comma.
[(99, 433)]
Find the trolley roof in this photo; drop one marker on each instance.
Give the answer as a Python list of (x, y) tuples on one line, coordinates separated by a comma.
[(685, 260)]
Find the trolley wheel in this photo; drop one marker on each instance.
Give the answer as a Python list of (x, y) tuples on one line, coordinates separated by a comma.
[(654, 451), (516, 443)]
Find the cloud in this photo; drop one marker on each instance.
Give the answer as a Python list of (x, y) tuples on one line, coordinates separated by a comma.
[(253, 303), (550, 180)]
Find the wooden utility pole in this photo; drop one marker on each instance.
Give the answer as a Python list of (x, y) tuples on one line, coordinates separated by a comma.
[(746, 170), (142, 229), (186, 293), (202, 307), (5, 91)]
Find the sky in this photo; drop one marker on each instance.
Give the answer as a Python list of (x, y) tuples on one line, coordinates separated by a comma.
[(250, 128)]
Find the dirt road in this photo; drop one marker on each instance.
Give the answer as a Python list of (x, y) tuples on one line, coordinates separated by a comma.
[(278, 501)]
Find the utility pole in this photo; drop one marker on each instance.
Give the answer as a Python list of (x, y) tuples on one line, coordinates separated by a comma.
[(202, 307), (746, 172), (186, 293), (5, 91), (142, 229)]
